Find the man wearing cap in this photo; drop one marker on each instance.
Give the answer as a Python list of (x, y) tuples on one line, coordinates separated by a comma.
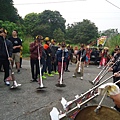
[(5, 53), (34, 57), (48, 53)]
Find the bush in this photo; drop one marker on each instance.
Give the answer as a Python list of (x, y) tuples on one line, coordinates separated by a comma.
[(26, 43), (112, 42)]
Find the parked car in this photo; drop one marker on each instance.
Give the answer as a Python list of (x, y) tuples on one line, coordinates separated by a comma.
[(95, 56)]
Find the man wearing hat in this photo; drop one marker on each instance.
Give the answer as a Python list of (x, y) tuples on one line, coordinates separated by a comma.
[(48, 51), (34, 55), (6, 49)]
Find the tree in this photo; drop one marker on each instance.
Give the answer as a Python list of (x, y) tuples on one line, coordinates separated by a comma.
[(58, 35), (109, 32), (30, 23), (10, 26), (8, 12), (82, 32), (54, 19), (44, 23)]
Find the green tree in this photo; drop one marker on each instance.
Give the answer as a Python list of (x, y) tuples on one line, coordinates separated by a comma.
[(10, 26), (58, 35), (54, 19), (44, 23), (109, 32), (82, 32), (30, 23), (8, 12)]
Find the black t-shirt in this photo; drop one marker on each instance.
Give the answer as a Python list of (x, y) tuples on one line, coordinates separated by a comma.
[(15, 42), (82, 53)]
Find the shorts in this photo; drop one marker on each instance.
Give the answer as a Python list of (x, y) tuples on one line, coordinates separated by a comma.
[(16, 57)]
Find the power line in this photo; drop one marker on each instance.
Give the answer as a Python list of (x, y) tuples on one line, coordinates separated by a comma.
[(49, 2), (113, 4)]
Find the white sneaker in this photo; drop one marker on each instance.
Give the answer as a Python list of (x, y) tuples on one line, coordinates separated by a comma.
[(99, 66), (7, 83), (87, 66), (73, 75), (81, 78), (15, 84)]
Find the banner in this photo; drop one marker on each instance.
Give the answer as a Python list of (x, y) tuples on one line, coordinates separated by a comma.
[(101, 40)]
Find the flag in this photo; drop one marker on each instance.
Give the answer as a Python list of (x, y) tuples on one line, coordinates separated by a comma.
[(101, 40)]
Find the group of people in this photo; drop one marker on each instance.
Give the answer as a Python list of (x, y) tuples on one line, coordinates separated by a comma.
[(9, 52), (114, 64), (50, 57)]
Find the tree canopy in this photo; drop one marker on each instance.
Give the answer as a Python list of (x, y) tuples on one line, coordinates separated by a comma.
[(82, 32), (44, 23), (8, 12)]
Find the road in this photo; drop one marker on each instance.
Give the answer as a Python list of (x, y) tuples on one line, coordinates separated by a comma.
[(26, 103)]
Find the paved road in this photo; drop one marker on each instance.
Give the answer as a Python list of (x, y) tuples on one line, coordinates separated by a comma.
[(26, 103)]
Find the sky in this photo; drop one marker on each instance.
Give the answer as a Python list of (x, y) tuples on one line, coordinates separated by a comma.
[(100, 12)]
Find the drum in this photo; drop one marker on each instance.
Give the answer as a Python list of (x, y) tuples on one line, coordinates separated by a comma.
[(104, 113)]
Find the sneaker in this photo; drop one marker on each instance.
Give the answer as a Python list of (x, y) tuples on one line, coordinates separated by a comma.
[(74, 75), (56, 73), (18, 71), (34, 80), (43, 77), (87, 66), (99, 66), (45, 73), (7, 83), (51, 75), (81, 78), (53, 72)]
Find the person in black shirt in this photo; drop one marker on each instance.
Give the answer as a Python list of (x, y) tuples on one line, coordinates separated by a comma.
[(81, 56), (16, 49)]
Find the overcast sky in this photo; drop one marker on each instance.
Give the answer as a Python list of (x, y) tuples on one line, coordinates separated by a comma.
[(101, 12)]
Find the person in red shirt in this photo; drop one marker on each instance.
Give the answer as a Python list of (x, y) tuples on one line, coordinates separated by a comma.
[(34, 57), (104, 57)]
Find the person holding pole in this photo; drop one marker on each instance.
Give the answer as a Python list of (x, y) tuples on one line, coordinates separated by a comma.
[(62, 54), (81, 57), (34, 62), (5, 54)]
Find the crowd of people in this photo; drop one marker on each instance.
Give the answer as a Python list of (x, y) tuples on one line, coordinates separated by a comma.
[(50, 55)]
